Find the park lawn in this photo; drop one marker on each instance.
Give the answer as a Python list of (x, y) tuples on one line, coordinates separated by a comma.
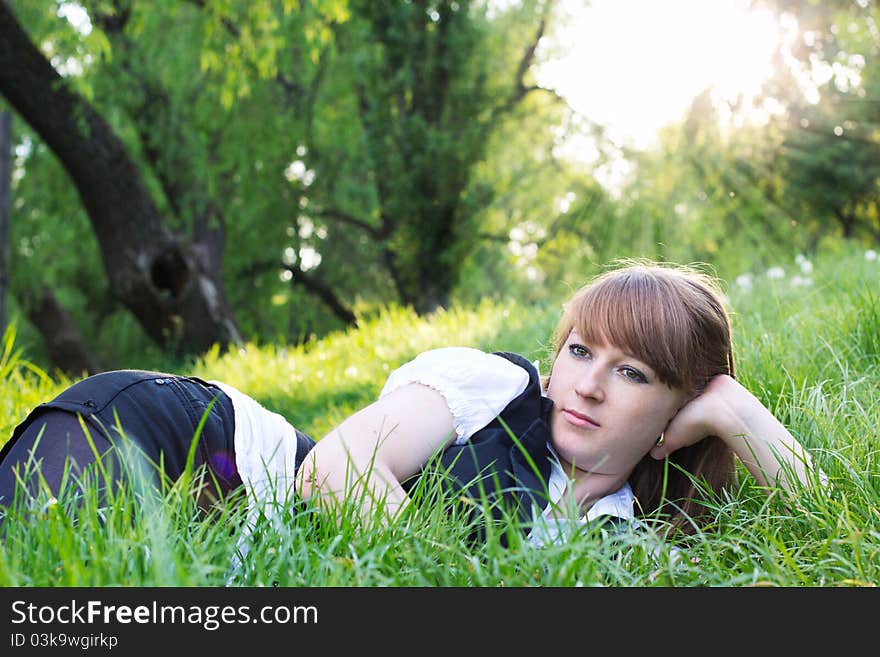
[(807, 344)]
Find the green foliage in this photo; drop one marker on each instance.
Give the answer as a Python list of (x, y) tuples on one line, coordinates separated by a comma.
[(826, 162), (389, 139), (421, 91), (543, 217), (24, 384), (271, 132), (806, 349)]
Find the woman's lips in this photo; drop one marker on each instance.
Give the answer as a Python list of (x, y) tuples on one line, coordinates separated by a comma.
[(579, 419)]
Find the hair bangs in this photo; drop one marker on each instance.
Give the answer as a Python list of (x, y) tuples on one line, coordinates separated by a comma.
[(642, 316)]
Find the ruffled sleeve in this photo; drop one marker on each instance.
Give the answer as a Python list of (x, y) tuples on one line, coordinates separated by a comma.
[(476, 385)]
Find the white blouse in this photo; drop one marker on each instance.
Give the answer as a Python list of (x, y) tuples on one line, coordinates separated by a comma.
[(265, 448), (477, 386)]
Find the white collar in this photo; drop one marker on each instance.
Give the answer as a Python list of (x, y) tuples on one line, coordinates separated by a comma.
[(618, 504), (552, 527)]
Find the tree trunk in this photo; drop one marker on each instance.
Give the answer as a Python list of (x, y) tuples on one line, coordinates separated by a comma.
[(847, 222), (5, 185), (173, 291), (67, 348)]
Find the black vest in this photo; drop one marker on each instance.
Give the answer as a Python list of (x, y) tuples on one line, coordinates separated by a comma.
[(505, 466)]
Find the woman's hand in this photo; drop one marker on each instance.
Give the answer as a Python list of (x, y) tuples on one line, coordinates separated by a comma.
[(727, 410), (707, 414)]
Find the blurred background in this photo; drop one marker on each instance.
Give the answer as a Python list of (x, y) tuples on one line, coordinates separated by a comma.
[(182, 175)]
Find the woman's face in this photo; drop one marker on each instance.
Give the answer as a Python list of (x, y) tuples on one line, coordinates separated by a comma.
[(609, 407)]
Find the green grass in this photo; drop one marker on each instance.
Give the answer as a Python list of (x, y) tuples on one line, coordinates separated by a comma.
[(811, 353)]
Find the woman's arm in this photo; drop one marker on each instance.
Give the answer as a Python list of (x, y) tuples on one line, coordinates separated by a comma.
[(728, 410), (365, 458)]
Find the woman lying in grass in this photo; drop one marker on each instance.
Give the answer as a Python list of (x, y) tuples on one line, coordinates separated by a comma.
[(639, 416)]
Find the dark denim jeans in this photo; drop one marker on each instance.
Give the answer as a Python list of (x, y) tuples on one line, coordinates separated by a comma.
[(142, 425)]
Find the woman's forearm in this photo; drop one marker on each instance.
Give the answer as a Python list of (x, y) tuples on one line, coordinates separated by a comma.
[(352, 479), (768, 450), (366, 457)]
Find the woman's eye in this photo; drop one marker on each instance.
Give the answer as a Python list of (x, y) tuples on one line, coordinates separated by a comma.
[(634, 375), (578, 350)]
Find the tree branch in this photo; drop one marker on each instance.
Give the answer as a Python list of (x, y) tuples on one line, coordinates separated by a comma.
[(311, 284), (520, 89), (377, 232), (67, 347)]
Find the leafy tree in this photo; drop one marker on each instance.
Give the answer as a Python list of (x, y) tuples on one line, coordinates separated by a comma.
[(832, 164), (272, 153), (430, 82), (829, 156), (172, 288)]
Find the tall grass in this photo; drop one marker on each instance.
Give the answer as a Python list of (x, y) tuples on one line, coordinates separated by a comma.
[(810, 352)]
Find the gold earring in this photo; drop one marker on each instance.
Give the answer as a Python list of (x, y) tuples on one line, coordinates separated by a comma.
[(661, 439)]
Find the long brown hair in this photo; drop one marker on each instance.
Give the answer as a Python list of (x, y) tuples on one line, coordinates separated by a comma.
[(673, 318)]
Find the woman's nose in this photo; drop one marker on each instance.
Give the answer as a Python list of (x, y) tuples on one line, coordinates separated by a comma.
[(589, 384)]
